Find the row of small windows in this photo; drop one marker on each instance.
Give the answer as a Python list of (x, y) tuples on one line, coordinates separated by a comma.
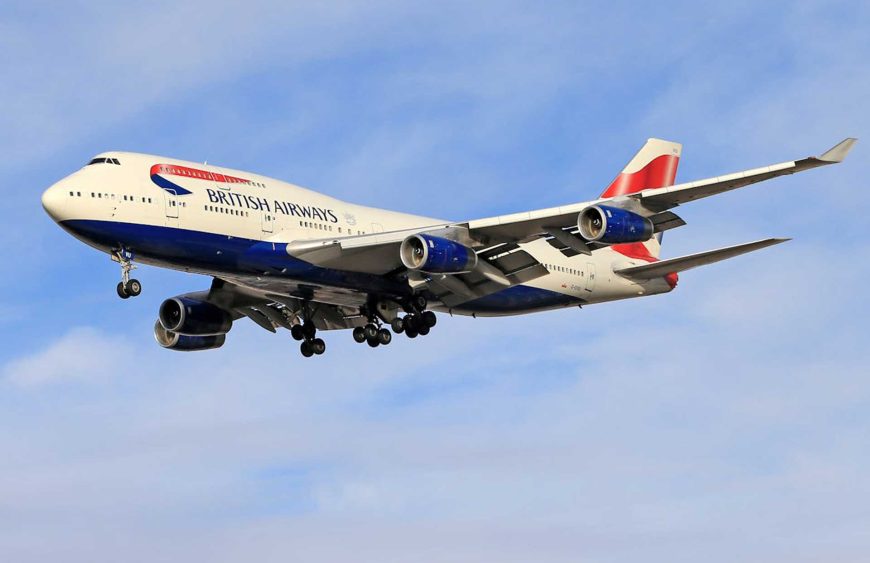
[(226, 210), (563, 269), (321, 227), (102, 160), (99, 195)]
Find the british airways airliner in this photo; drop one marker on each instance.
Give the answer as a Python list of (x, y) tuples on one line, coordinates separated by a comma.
[(290, 258)]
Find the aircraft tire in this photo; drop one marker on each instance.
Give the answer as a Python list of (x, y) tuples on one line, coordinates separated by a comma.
[(429, 319), (133, 288), (122, 293), (359, 334), (385, 336), (306, 350), (318, 346)]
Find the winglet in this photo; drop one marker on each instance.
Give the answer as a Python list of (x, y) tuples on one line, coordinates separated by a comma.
[(839, 152)]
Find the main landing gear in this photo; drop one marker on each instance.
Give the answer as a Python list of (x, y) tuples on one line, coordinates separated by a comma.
[(417, 322), (127, 287), (307, 333)]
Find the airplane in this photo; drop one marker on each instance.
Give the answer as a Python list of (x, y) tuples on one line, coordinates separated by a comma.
[(289, 258)]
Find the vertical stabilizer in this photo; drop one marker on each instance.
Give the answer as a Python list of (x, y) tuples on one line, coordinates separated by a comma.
[(654, 166)]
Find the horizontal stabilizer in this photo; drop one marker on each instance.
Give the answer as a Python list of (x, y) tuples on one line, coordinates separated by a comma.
[(665, 267)]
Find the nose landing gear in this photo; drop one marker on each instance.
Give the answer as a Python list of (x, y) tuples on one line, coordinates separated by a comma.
[(127, 287)]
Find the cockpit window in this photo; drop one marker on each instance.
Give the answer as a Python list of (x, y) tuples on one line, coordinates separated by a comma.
[(102, 160)]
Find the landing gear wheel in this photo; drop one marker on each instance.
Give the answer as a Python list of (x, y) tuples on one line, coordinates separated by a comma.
[(419, 302), (411, 332), (371, 331), (429, 319), (122, 293), (398, 325), (309, 330), (297, 332), (318, 346), (306, 349), (411, 322), (385, 336), (373, 342), (359, 334), (133, 288), (423, 330)]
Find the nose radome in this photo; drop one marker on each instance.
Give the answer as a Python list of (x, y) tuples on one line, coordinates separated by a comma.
[(52, 200)]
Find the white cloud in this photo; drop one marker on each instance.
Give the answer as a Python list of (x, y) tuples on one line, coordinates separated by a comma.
[(83, 354)]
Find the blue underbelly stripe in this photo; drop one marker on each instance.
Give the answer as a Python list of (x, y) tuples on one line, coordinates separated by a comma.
[(234, 255)]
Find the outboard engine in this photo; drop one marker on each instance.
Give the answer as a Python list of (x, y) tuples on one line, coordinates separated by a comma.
[(183, 343), (191, 317), (436, 255), (612, 225)]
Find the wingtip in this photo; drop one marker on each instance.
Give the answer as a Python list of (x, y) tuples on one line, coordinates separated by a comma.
[(839, 151)]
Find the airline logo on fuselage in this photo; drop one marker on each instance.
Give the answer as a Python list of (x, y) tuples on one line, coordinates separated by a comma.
[(160, 173), (234, 199)]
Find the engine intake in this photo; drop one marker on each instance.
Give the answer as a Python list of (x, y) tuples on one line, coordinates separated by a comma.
[(183, 343), (436, 255), (611, 225), (191, 317)]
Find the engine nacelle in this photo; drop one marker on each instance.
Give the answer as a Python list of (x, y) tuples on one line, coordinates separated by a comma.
[(183, 343), (436, 255), (191, 317), (611, 225)]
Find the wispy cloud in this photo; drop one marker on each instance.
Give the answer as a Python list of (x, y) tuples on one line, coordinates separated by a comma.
[(83, 354)]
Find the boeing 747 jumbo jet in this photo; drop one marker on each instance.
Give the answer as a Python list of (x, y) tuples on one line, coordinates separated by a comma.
[(290, 258)]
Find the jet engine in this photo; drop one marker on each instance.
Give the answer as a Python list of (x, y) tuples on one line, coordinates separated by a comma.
[(436, 255), (611, 225), (191, 317), (184, 343)]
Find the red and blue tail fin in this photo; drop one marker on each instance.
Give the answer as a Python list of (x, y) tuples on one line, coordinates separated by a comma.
[(654, 166)]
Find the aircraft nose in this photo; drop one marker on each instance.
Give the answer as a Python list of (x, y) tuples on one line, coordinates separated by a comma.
[(52, 200)]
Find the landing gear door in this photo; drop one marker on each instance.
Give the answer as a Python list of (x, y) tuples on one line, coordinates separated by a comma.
[(171, 202), (590, 276)]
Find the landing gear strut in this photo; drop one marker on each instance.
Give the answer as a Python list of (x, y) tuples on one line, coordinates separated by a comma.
[(307, 333), (417, 322), (127, 287)]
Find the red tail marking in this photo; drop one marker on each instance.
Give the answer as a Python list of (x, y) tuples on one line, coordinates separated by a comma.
[(639, 251), (636, 250), (660, 172)]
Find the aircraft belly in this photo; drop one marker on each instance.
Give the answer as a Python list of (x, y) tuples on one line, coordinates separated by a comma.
[(253, 263)]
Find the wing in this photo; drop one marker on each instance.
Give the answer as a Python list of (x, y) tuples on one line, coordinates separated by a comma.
[(274, 311), (501, 260)]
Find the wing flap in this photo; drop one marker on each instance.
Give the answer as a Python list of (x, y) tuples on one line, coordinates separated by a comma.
[(665, 267)]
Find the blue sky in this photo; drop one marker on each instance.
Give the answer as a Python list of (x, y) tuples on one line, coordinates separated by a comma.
[(725, 421)]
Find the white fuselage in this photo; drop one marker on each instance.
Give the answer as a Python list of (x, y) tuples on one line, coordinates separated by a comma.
[(200, 218)]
